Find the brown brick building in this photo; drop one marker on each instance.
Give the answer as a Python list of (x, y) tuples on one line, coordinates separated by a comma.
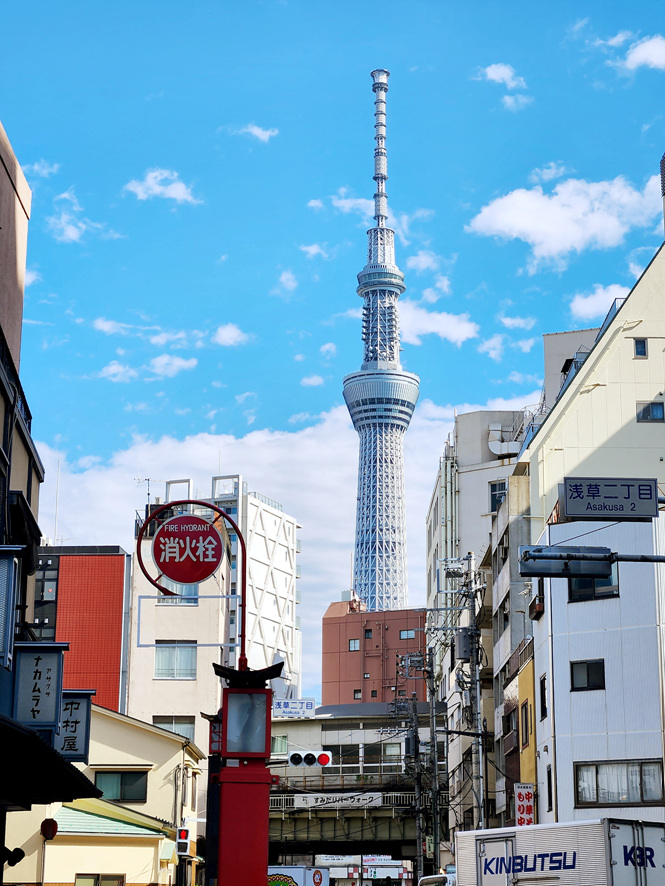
[(363, 656)]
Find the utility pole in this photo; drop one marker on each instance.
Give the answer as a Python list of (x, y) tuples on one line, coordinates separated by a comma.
[(434, 763), (415, 739), (477, 749)]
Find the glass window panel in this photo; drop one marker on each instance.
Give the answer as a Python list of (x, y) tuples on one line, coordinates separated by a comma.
[(186, 662), (596, 675), (134, 786), (612, 783), (246, 723), (86, 880), (633, 779), (109, 784), (279, 744), (652, 783), (579, 674), (586, 784), (372, 753)]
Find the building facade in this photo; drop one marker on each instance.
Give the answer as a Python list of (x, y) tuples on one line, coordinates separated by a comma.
[(372, 656), (82, 597), (381, 398)]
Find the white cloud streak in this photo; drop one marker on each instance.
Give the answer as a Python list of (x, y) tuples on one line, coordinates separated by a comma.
[(168, 366), (594, 305), (416, 321), (503, 74), (263, 135), (164, 184), (578, 215), (230, 335), (647, 53)]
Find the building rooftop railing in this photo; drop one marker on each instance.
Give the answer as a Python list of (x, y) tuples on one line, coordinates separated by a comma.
[(267, 501)]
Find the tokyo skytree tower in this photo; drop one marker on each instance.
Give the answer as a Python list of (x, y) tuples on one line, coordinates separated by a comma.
[(381, 398)]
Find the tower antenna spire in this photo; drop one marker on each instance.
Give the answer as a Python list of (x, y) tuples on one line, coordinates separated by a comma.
[(381, 398)]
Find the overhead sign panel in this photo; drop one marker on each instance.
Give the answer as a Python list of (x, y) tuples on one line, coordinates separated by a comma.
[(564, 561), (610, 498)]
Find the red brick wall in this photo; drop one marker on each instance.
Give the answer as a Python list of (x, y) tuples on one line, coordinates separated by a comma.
[(343, 671), (89, 618)]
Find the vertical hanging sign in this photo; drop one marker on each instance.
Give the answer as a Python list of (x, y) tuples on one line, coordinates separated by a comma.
[(73, 740), (38, 687)]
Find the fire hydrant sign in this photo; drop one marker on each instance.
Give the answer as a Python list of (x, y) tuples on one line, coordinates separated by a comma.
[(187, 549)]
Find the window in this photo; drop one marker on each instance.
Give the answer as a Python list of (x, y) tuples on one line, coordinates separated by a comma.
[(594, 588), (549, 788), (407, 635), (543, 696), (186, 594), (497, 495), (175, 660), (99, 880), (382, 757), (279, 744), (374, 693), (366, 676), (357, 693), (401, 691), (125, 787), (627, 783), (640, 347), (354, 645), (181, 725), (525, 726), (650, 412), (587, 675), (368, 633)]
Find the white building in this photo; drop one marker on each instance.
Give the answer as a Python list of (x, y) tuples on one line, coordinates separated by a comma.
[(176, 640), (598, 644)]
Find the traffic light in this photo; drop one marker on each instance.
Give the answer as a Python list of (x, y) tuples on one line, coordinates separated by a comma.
[(310, 758), (182, 841)]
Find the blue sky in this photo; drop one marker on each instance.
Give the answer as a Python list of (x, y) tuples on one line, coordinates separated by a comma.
[(201, 176)]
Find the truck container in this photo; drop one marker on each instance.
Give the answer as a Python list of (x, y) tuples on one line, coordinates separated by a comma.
[(602, 852), (297, 875)]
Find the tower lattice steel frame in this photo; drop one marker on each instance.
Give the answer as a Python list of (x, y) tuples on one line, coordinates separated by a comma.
[(381, 398)]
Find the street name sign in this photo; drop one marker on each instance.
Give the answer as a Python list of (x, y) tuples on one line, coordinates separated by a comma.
[(610, 498)]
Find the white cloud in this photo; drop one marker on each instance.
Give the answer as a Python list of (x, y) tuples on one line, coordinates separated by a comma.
[(67, 227), (441, 287), (118, 372), (595, 304), (315, 204), (300, 417), (364, 207), (179, 339), (299, 358), (329, 349), (314, 249), (525, 344), (649, 52), (311, 381), (502, 73), (263, 135), (424, 260), (547, 173), (287, 283), (230, 335), (517, 322), (240, 398), (519, 378), (32, 277), (416, 321), (577, 215), (493, 347), (163, 183), (111, 327), (41, 169), (618, 39), (167, 366), (516, 102)]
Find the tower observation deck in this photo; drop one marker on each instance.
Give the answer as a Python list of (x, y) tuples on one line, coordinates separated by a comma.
[(381, 398)]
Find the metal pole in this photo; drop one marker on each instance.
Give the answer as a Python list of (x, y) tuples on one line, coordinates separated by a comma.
[(434, 763), (476, 746), (415, 738)]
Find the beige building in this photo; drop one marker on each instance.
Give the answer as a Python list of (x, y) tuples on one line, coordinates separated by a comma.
[(149, 781)]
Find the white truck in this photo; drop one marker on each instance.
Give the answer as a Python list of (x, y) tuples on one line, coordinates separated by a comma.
[(602, 852)]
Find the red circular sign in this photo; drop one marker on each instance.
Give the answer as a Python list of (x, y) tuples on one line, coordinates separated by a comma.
[(187, 549)]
